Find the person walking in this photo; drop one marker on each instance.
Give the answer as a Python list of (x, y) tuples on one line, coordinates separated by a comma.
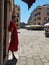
[(13, 45)]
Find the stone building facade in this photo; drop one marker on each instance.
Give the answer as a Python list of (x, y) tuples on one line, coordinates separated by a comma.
[(40, 15), (17, 12)]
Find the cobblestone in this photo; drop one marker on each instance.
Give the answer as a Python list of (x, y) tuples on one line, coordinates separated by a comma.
[(47, 57), (30, 62), (38, 62), (33, 48), (36, 58), (46, 63), (23, 62), (44, 60), (23, 58), (42, 56)]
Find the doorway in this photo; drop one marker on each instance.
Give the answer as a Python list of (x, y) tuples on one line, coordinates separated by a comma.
[(5, 26)]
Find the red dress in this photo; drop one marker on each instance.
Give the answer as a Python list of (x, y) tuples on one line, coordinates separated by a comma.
[(13, 45)]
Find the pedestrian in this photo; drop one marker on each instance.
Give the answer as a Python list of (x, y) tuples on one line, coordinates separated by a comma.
[(13, 45)]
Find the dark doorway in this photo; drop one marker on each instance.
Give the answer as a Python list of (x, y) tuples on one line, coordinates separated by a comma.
[(5, 20)]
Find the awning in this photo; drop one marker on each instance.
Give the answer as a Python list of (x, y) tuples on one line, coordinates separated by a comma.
[(27, 26), (47, 24), (29, 2)]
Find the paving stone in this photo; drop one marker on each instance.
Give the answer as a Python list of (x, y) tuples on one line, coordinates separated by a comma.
[(33, 48), (18, 62), (29, 56), (36, 58), (41, 56), (46, 63), (34, 53), (23, 58), (30, 62), (47, 57), (38, 62), (23, 62), (44, 60)]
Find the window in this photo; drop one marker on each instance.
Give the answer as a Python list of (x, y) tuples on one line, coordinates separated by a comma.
[(16, 20), (38, 13), (39, 8), (38, 23), (39, 18), (17, 14), (45, 18), (47, 8), (47, 13), (10, 6), (18, 8)]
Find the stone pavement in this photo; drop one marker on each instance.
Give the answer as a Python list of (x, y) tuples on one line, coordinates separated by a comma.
[(33, 48)]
